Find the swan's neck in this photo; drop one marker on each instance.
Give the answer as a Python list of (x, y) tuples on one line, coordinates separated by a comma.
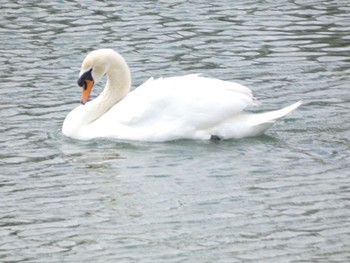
[(117, 87)]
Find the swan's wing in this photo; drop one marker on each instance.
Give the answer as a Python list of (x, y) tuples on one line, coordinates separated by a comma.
[(189, 100)]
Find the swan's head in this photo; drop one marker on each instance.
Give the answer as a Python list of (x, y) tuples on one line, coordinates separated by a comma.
[(96, 64)]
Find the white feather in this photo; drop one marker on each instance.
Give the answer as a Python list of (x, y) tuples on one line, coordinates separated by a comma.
[(185, 107)]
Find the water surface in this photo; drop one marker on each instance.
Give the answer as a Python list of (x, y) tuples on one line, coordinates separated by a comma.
[(281, 197)]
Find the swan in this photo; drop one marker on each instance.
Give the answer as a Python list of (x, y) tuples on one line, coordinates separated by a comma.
[(164, 109)]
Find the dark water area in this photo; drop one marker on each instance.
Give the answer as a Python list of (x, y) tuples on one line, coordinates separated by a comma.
[(281, 197)]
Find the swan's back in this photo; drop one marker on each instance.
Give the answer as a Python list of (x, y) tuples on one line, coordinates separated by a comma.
[(176, 107)]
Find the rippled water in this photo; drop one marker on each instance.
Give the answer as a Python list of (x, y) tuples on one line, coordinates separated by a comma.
[(281, 197)]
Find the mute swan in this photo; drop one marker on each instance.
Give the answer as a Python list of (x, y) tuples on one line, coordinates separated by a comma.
[(185, 107)]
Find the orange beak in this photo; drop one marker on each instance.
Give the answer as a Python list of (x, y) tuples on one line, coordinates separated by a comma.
[(87, 87)]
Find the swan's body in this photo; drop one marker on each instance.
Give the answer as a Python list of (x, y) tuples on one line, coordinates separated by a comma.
[(186, 107)]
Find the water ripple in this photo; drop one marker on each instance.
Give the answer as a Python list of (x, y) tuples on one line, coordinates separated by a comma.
[(281, 197)]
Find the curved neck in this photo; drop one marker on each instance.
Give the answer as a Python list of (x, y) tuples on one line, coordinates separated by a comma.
[(117, 87)]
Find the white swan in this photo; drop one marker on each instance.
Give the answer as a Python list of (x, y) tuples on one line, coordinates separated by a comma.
[(186, 107)]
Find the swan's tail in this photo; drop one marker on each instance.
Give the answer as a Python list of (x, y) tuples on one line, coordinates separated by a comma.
[(250, 124), (272, 116), (262, 121)]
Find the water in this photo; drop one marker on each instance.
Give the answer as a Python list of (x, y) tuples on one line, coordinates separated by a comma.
[(281, 197)]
